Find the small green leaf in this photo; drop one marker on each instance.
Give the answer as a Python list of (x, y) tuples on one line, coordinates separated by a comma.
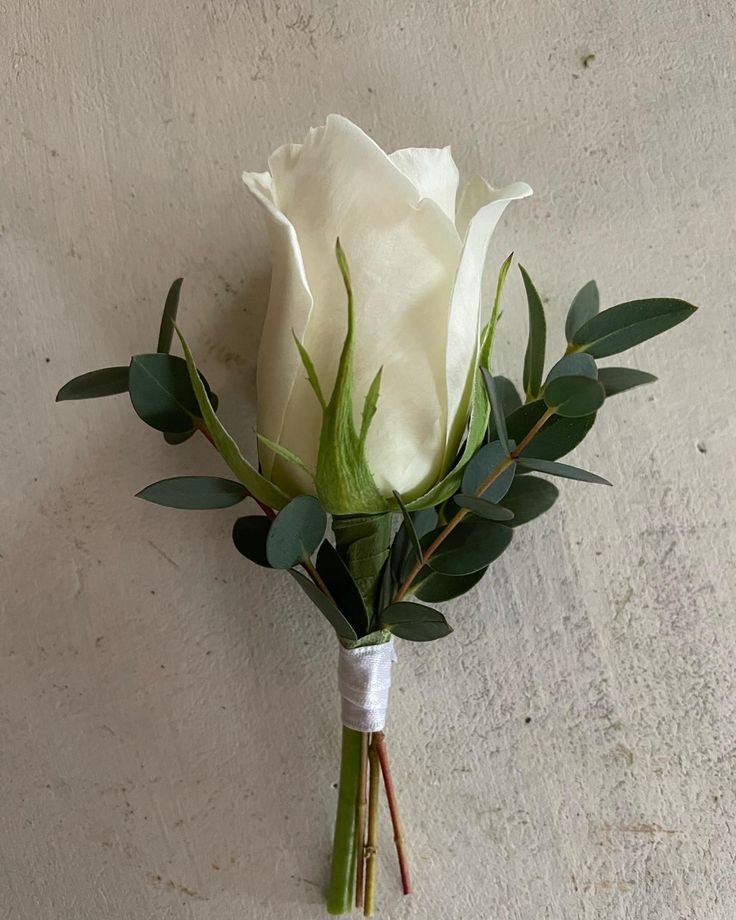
[(510, 402), (285, 454), (107, 381), (341, 585), (194, 492), (415, 622), (471, 546), (498, 416), (409, 525), (311, 371), (534, 358), (489, 511), (562, 469), (166, 330), (629, 324), (258, 486), (344, 630), (619, 379), (161, 392), (558, 437), (488, 458), (296, 532), (250, 535), (403, 552), (436, 588), (529, 497), (574, 397), (584, 307), (489, 333), (578, 364)]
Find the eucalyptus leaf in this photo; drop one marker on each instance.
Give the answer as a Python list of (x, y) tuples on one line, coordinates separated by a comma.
[(619, 379), (584, 307), (344, 630), (510, 402), (489, 511), (195, 492), (562, 469), (488, 458), (498, 416), (166, 330), (574, 397), (249, 536), (296, 532), (107, 381), (341, 585), (409, 525), (578, 364), (628, 324), (178, 437), (558, 436), (403, 554), (536, 344), (436, 588), (415, 622), (529, 497), (471, 546), (161, 392)]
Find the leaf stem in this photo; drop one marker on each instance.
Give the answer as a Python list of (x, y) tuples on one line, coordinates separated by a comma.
[(464, 512), (360, 821), (393, 807), (371, 848)]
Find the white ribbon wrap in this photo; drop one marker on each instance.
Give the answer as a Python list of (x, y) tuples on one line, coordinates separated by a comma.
[(364, 679)]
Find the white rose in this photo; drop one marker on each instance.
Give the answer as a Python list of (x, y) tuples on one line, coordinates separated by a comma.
[(416, 262)]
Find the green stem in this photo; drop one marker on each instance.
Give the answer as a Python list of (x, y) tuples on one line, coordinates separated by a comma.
[(342, 874)]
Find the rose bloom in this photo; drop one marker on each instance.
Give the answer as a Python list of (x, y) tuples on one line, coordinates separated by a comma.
[(416, 258)]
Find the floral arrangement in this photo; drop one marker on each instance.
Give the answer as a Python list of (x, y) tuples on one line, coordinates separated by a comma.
[(379, 411)]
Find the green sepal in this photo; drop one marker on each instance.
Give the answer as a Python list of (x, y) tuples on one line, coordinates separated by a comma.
[(258, 486), (489, 333)]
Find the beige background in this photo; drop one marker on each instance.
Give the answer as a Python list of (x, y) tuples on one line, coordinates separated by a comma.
[(168, 721)]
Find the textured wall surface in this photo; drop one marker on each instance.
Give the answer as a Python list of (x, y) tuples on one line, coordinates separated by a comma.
[(168, 719)]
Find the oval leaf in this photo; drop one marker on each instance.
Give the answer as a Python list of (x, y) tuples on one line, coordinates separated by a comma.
[(489, 511), (536, 344), (619, 379), (344, 630), (250, 535), (557, 438), (471, 546), (579, 364), (178, 437), (296, 532), (584, 307), (574, 397), (195, 492), (341, 585), (107, 381), (564, 470), (480, 468), (415, 622), (498, 415), (161, 392), (403, 555), (629, 324), (529, 497), (436, 588)]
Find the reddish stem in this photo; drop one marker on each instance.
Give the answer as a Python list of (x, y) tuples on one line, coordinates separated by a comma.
[(393, 807)]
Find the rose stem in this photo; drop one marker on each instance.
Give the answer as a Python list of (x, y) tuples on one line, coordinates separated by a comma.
[(464, 512), (371, 849), (393, 808), (360, 825), (342, 872)]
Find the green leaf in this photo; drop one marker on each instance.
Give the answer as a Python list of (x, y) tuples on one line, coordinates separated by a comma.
[(471, 546), (476, 432), (403, 551), (489, 511), (574, 397), (296, 532), (415, 622), (341, 585), (584, 307), (529, 497), (250, 535), (178, 437), (482, 465), (575, 365), (436, 588), (629, 324), (510, 402), (161, 392), (195, 492), (344, 630), (107, 381), (562, 469), (619, 379), (311, 371), (369, 407), (258, 486), (489, 333), (409, 525), (558, 436), (166, 330), (534, 358), (285, 454), (498, 416)]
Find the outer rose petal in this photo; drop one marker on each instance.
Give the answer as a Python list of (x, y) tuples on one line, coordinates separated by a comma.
[(403, 252), (433, 173)]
